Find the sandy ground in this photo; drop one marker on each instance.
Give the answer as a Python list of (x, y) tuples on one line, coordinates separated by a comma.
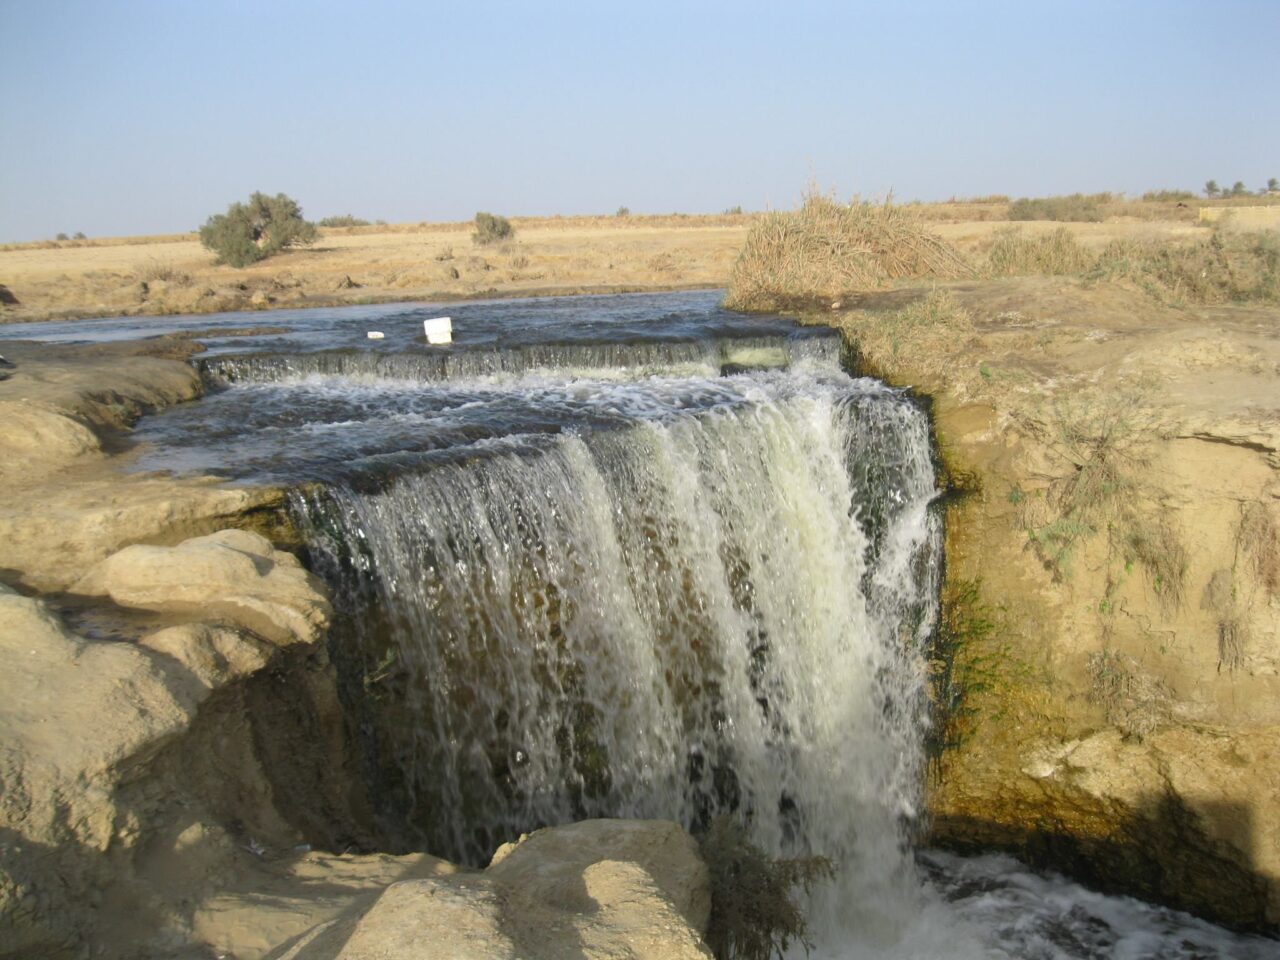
[(166, 275), (365, 265)]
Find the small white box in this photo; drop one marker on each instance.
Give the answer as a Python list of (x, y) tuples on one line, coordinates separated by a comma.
[(438, 330), (375, 334)]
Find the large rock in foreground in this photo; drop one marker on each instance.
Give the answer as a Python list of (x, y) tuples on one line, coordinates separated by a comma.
[(135, 774), (616, 889)]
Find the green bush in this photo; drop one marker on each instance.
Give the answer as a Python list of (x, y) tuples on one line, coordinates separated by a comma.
[(623, 212), (1167, 196), (752, 914), (1077, 207), (253, 231), (491, 229), (343, 220)]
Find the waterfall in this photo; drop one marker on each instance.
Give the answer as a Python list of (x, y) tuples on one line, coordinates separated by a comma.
[(636, 557), (717, 611)]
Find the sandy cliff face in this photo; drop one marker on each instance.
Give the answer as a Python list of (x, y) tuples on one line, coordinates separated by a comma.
[(1113, 572)]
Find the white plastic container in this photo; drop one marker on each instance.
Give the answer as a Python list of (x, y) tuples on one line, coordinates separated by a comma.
[(438, 330), (375, 334)]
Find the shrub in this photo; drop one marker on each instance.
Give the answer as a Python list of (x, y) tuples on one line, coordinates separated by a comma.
[(1227, 266), (1074, 208), (1058, 252), (62, 236), (827, 249), (623, 212), (733, 211), (752, 914), (1167, 196), (491, 229), (344, 220), (79, 235), (249, 232)]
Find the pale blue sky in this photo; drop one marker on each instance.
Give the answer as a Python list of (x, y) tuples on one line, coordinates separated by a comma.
[(142, 117)]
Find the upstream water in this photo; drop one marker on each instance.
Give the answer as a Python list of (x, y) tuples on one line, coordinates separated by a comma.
[(635, 556)]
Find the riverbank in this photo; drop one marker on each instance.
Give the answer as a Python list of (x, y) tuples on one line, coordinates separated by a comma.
[(1110, 665)]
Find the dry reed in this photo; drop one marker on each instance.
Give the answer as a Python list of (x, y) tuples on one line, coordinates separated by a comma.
[(827, 249)]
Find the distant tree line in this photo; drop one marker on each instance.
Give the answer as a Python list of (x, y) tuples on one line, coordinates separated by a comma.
[(1238, 189)]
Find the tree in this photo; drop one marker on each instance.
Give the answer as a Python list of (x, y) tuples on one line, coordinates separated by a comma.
[(1211, 188), (253, 231), (1272, 185), (1238, 189)]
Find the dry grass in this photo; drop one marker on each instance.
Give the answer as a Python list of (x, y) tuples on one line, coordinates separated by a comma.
[(1076, 207), (921, 336), (1012, 253), (1135, 702), (827, 249), (1227, 266), (1103, 443), (1218, 266), (390, 263)]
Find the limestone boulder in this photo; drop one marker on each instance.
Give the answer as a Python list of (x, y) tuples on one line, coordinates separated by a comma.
[(232, 574), (597, 890), (552, 861)]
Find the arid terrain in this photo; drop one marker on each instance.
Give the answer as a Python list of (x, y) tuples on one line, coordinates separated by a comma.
[(439, 261), (1107, 676)]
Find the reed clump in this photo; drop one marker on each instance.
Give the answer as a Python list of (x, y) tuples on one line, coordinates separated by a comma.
[(1228, 266), (1013, 253), (827, 249)]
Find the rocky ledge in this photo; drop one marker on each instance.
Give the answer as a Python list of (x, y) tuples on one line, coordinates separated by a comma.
[(174, 780), (1108, 675)]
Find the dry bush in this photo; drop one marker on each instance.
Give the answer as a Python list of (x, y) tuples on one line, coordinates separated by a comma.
[(1228, 266), (1077, 207), (752, 914), (1258, 541), (1167, 196), (1103, 441), (1011, 253), (661, 263), (827, 249), (491, 228), (1135, 702), (922, 335), (152, 270)]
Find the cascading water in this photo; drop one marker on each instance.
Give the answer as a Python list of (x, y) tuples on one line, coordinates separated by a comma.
[(677, 565), (719, 610)]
